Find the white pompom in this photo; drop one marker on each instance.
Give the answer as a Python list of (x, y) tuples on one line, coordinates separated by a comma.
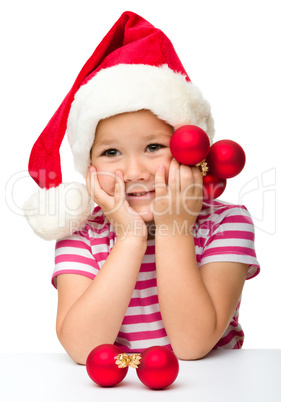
[(58, 212)]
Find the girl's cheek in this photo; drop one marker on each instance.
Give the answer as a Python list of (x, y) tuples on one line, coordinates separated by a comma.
[(107, 182)]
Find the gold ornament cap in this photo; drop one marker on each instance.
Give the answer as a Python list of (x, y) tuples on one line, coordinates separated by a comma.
[(203, 167), (123, 360)]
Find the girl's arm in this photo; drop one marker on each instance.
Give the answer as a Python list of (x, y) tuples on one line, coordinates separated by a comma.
[(196, 304), (90, 312)]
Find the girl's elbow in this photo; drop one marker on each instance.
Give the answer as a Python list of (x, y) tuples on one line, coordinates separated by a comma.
[(192, 353), (77, 350), (74, 350), (78, 355)]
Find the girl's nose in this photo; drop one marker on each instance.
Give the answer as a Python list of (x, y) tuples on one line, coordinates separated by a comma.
[(135, 171)]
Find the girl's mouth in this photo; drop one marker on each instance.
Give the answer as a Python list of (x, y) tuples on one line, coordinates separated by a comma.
[(140, 195)]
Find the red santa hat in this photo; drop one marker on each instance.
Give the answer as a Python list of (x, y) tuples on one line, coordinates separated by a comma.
[(134, 67)]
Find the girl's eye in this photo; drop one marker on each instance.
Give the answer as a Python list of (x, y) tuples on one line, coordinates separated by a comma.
[(111, 152), (154, 147)]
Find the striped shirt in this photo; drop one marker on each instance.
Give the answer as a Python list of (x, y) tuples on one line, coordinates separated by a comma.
[(222, 232)]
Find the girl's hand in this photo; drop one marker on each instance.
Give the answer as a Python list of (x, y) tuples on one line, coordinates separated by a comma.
[(125, 220), (180, 201)]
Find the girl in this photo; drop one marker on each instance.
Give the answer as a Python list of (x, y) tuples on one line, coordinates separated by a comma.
[(152, 264)]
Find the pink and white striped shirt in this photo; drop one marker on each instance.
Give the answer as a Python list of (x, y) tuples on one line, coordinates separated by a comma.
[(223, 232)]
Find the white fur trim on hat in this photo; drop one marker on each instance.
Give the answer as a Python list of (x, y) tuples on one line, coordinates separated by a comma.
[(131, 87), (59, 211)]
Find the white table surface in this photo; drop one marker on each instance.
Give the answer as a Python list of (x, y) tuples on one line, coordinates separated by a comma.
[(224, 375)]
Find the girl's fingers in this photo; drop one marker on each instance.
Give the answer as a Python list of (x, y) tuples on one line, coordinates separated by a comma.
[(186, 178), (119, 190), (191, 179), (89, 180), (174, 176), (93, 186), (198, 181), (160, 183)]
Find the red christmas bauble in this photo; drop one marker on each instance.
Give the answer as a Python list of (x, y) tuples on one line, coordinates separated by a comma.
[(158, 368), (213, 186), (101, 365), (226, 159), (189, 145)]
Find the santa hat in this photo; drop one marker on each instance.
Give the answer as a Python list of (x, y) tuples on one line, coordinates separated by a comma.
[(134, 67)]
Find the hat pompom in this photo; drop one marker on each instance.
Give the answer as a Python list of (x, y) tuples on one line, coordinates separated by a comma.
[(59, 211)]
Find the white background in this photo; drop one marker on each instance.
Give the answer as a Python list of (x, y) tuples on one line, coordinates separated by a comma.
[(231, 50)]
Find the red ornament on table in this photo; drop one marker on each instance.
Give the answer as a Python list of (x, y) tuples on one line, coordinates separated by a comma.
[(158, 368), (101, 365)]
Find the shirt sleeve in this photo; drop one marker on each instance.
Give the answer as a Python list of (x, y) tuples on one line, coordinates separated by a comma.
[(231, 238), (73, 255)]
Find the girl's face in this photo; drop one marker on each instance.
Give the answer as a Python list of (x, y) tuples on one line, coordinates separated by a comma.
[(135, 143)]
